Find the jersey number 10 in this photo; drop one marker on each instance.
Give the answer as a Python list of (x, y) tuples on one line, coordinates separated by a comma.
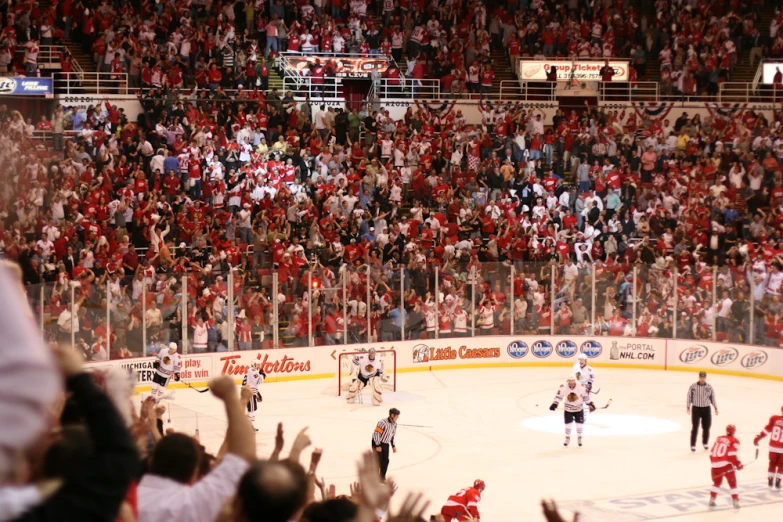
[(719, 450)]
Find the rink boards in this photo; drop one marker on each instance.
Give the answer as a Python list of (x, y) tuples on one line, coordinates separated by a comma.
[(321, 362)]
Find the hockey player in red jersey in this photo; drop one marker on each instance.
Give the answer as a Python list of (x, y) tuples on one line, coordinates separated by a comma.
[(775, 431), (464, 505), (724, 464)]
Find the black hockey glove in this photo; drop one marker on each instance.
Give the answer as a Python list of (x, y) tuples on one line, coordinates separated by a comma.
[(258, 397), (589, 387), (553, 407), (262, 372), (176, 377), (156, 365), (592, 407)]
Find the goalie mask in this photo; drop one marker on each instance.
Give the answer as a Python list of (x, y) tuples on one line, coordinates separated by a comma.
[(371, 354)]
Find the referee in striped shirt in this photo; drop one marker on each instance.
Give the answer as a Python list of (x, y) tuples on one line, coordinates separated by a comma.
[(700, 397), (382, 437)]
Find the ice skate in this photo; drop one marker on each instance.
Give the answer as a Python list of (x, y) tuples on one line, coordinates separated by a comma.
[(712, 502), (736, 503), (567, 441), (777, 484), (770, 481), (579, 441)]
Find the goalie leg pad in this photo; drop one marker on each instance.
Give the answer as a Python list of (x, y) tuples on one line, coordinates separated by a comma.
[(354, 389), (377, 394)]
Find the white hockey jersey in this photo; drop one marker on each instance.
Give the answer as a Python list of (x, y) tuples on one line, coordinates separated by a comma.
[(168, 363), (575, 398), (253, 378), (368, 368), (584, 374)]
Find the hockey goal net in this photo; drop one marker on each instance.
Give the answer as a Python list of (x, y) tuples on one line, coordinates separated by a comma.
[(347, 370)]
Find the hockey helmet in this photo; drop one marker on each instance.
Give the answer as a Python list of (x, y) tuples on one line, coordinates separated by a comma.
[(731, 429), (371, 353), (571, 377), (479, 485), (582, 357), (173, 347)]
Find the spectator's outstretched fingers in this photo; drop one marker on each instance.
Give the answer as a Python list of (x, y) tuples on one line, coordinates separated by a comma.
[(279, 442), (551, 513), (301, 441), (68, 360), (374, 493), (223, 387), (411, 509)]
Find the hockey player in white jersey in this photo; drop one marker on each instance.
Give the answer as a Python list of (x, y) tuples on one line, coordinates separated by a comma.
[(370, 371), (167, 365), (585, 376), (254, 377), (575, 396)]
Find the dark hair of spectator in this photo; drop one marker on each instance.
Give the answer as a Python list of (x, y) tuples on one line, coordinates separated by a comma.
[(71, 447), (271, 491), (177, 457), (338, 509)]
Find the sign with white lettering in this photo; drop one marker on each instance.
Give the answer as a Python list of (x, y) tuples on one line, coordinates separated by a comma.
[(26, 86)]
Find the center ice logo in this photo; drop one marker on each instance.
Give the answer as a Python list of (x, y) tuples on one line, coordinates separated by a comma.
[(694, 354), (566, 349), (517, 349), (592, 349), (541, 349)]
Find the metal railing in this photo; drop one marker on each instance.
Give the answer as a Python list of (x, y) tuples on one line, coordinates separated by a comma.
[(49, 57), (98, 83), (325, 88), (353, 304), (430, 89)]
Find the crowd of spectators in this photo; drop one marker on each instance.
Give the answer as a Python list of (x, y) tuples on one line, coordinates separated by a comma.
[(223, 46), (75, 446), (149, 216)]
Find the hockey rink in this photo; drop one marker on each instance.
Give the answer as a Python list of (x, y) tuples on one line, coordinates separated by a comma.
[(495, 424)]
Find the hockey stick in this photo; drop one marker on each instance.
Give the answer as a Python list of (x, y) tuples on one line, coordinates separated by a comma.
[(205, 390), (607, 405), (413, 425), (743, 466), (596, 392)]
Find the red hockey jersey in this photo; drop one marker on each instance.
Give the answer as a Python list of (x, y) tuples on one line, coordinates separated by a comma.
[(467, 498), (775, 431), (724, 451)]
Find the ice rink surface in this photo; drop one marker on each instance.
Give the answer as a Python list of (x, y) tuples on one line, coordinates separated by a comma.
[(495, 424)]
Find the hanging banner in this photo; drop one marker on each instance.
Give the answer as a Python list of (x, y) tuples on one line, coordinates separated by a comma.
[(344, 67), (586, 70)]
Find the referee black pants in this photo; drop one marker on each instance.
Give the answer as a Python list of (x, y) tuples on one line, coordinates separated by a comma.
[(703, 414), (383, 458)]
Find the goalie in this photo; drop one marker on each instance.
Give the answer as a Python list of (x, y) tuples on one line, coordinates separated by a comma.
[(370, 373)]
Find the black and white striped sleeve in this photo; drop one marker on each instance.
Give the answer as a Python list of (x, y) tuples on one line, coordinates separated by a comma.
[(384, 433)]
